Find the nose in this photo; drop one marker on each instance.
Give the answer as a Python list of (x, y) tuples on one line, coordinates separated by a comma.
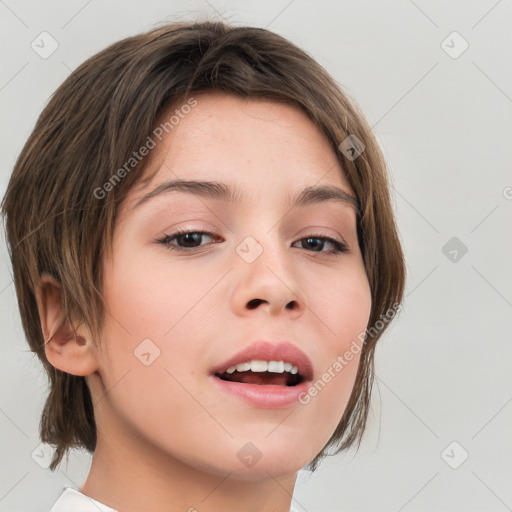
[(269, 283)]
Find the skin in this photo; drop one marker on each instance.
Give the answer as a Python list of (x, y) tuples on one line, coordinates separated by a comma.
[(167, 439)]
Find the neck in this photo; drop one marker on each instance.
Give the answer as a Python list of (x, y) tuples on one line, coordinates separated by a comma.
[(135, 476)]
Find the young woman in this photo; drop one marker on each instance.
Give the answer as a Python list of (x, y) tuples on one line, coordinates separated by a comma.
[(205, 255)]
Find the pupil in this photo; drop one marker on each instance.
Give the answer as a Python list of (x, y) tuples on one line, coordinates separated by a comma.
[(313, 244), (188, 237)]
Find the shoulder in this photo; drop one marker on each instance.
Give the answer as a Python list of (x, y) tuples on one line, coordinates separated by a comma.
[(73, 500)]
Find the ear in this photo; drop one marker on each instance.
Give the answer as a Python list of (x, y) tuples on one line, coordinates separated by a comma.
[(65, 350)]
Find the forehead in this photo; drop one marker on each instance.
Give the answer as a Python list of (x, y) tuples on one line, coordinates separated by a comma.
[(259, 147)]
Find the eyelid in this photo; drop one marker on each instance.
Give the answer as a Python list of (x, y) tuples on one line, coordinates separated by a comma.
[(324, 231)]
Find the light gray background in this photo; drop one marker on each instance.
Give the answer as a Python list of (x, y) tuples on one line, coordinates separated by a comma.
[(443, 370)]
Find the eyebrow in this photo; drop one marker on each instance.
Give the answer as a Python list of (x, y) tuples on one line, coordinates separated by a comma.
[(222, 191)]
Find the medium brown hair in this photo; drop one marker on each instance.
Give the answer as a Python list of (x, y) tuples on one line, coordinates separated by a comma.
[(103, 113)]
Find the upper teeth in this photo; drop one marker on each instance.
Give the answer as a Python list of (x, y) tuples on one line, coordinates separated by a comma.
[(264, 366)]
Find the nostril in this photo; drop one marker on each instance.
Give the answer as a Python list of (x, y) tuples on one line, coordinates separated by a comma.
[(254, 303)]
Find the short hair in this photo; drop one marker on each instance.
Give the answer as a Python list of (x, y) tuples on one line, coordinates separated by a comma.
[(104, 112)]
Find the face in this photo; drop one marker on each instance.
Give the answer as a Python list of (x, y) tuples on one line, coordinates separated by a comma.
[(254, 269)]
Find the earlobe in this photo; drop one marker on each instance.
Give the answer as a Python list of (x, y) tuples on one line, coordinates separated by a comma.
[(65, 349)]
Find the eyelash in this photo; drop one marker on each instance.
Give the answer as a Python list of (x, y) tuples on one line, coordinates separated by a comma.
[(339, 247)]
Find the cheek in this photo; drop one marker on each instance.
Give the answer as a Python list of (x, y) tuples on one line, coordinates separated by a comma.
[(149, 365), (343, 309), (156, 317), (342, 306), (149, 296)]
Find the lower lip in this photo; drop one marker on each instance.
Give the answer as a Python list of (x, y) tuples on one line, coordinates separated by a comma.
[(264, 396)]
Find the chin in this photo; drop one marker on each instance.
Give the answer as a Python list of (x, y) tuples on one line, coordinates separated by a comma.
[(275, 468), (248, 464)]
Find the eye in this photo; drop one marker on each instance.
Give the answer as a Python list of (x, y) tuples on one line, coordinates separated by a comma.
[(188, 239), (318, 243), (185, 241)]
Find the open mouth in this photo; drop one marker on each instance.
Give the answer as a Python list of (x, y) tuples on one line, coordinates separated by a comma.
[(262, 378)]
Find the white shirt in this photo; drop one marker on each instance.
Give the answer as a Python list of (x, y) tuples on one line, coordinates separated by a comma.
[(72, 500)]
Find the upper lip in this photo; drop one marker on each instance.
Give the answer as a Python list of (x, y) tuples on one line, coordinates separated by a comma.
[(268, 351)]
